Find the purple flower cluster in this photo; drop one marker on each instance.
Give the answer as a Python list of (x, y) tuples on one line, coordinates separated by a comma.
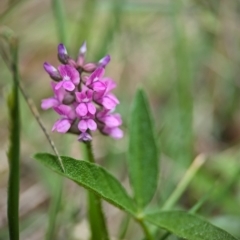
[(82, 96)]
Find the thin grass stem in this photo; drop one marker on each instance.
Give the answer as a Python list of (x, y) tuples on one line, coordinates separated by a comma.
[(181, 187), (14, 149), (59, 14)]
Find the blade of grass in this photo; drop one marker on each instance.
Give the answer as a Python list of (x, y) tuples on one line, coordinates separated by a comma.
[(113, 27), (181, 187), (6, 34), (85, 23), (184, 101), (59, 14), (10, 9), (14, 149)]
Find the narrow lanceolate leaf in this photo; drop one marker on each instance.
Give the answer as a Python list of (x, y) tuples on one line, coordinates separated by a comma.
[(143, 153), (188, 226), (92, 177)]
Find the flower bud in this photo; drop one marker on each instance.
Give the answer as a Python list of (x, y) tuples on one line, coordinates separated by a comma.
[(52, 71), (68, 98), (62, 54), (81, 54), (84, 79), (72, 63), (104, 61), (89, 67)]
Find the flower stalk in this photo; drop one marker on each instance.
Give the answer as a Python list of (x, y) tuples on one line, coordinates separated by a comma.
[(96, 217)]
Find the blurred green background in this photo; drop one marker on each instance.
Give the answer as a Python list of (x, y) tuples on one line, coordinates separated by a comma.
[(185, 54)]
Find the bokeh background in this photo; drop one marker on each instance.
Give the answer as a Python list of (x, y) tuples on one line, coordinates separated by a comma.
[(186, 56)]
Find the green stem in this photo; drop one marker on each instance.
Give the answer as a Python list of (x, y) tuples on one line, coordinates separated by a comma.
[(124, 227), (14, 150), (148, 235), (96, 216)]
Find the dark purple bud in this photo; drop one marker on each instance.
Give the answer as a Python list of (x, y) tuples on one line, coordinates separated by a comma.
[(104, 61), (52, 71), (62, 54), (90, 67)]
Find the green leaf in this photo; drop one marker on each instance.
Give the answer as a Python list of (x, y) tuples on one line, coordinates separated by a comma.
[(143, 153), (92, 177), (187, 226)]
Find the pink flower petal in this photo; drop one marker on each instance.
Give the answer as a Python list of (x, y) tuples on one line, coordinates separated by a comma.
[(88, 80), (55, 125), (68, 85), (62, 126), (82, 126), (96, 75), (110, 84), (89, 94), (91, 124), (49, 103), (85, 136), (69, 72), (112, 121), (98, 86), (58, 85), (75, 77), (66, 110), (98, 96), (82, 110), (78, 96), (113, 132), (116, 133), (60, 93), (113, 98), (108, 103), (91, 108)]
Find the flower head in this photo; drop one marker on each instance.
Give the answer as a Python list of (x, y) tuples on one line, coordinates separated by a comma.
[(83, 102)]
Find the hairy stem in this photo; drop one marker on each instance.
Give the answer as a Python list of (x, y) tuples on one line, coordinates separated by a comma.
[(96, 216)]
